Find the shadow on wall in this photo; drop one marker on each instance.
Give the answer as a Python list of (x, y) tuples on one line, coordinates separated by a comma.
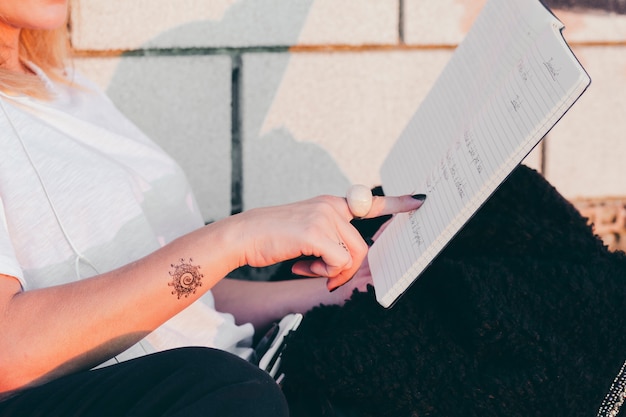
[(183, 100)]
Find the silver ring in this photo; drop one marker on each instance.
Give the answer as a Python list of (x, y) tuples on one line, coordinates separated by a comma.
[(359, 198)]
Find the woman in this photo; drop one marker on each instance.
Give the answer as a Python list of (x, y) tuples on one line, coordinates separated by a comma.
[(102, 243)]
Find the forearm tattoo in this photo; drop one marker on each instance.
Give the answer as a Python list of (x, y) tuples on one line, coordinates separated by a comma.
[(186, 278)]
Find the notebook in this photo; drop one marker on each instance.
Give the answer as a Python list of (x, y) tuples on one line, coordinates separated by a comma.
[(507, 84)]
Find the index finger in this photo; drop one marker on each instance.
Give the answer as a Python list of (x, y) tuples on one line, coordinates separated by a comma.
[(382, 206)]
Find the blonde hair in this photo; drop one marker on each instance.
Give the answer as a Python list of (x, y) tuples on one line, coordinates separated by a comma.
[(49, 50)]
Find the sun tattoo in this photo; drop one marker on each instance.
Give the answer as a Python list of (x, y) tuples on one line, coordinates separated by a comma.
[(186, 278)]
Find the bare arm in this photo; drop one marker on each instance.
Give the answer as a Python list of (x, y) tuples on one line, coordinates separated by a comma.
[(53, 331), (50, 332), (261, 303)]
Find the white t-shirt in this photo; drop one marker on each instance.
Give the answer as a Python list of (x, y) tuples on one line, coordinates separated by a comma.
[(83, 191)]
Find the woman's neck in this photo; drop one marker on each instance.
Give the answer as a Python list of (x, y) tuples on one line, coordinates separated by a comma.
[(9, 50)]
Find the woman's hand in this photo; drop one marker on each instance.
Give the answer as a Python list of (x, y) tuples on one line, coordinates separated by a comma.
[(318, 228), (263, 302), (363, 276)]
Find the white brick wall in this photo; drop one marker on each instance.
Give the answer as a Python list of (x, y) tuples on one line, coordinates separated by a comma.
[(586, 153), (121, 24), (319, 89), (330, 120)]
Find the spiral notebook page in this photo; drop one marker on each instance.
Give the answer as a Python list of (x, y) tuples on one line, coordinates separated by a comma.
[(505, 87)]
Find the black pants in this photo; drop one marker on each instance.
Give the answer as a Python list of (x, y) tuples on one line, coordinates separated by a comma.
[(181, 382)]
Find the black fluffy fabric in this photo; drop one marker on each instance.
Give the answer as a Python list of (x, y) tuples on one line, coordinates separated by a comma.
[(523, 314)]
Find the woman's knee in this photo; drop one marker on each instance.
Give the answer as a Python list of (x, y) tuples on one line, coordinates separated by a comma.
[(223, 383)]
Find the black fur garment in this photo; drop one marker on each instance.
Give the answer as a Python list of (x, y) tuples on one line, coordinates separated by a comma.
[(523, 314)]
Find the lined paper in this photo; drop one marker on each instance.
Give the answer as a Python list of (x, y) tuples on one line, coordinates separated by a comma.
[(507, 84)]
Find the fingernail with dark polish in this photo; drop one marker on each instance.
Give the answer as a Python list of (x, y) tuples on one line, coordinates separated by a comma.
[(420, 197)]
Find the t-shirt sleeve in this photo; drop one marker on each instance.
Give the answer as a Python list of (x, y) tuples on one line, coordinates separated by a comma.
[(8, 261)]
